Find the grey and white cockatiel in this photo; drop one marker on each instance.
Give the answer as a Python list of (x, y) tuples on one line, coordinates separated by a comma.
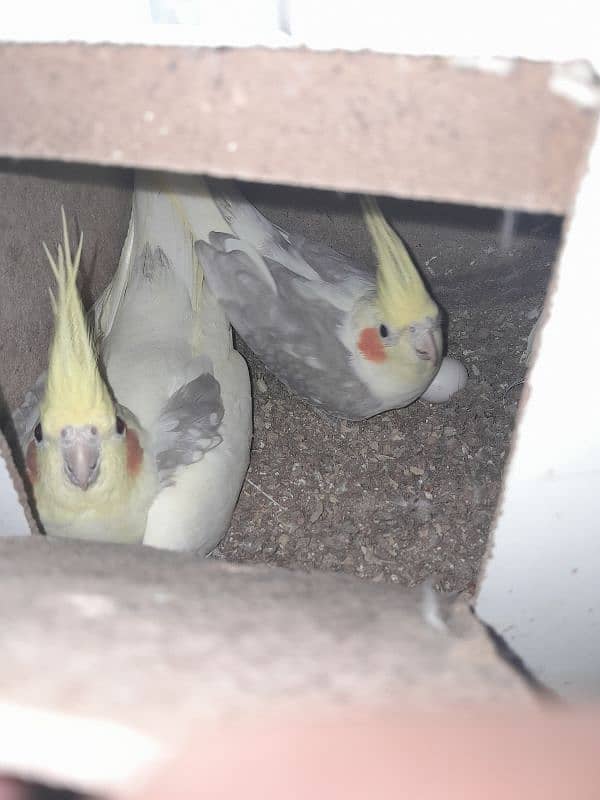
[(348, 342), (141, 431)]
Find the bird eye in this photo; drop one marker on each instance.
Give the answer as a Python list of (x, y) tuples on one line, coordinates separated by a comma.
[(120, 426), (383, 331), (37, 432)]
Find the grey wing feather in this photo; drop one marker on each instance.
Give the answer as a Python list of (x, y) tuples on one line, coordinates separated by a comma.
[(188, 426), (296, 338), (289, 297), (246, 221), (306, 258), (330, 264), (27, 415)]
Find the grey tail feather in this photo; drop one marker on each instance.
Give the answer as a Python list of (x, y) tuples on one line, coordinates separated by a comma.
[(226, 189), (232, 203), (431, 606), (437, 607)]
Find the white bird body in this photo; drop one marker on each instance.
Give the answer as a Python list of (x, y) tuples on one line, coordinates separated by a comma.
[(167, 352), (203, 495)]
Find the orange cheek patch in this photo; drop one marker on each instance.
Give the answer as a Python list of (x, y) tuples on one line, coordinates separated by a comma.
[(134, 453), (370, 345), (31, 462)]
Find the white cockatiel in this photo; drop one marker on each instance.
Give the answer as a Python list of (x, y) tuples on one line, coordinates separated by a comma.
[(142, 435), (349, 342)]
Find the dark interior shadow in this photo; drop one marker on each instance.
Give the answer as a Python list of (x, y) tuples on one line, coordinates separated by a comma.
[(63, 171), (438, 214)]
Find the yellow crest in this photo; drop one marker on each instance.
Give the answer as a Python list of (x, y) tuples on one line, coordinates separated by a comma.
[(75, 392), (400, 289)]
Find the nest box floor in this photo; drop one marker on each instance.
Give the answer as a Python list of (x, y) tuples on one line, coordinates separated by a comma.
[(412, 492)]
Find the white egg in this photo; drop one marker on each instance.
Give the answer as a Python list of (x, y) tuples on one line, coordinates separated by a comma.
[(451, 377)]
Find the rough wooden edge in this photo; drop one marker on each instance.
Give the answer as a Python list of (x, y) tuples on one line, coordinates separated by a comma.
[(420, 127)]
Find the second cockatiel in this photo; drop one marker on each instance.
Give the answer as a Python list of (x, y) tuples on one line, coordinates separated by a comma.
[(352, 344), (142, 435)]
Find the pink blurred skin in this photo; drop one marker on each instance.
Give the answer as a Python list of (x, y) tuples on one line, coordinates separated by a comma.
[(12, 789), (455, 756)]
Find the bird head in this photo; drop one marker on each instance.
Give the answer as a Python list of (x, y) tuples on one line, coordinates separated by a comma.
[(399, 335), (81, 449)]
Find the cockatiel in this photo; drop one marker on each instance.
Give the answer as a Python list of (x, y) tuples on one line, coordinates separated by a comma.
[(144, 434), (347, 343)]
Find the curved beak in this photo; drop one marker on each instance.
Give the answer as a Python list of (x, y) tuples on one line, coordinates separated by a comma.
[(426, 344), (81, 455)]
